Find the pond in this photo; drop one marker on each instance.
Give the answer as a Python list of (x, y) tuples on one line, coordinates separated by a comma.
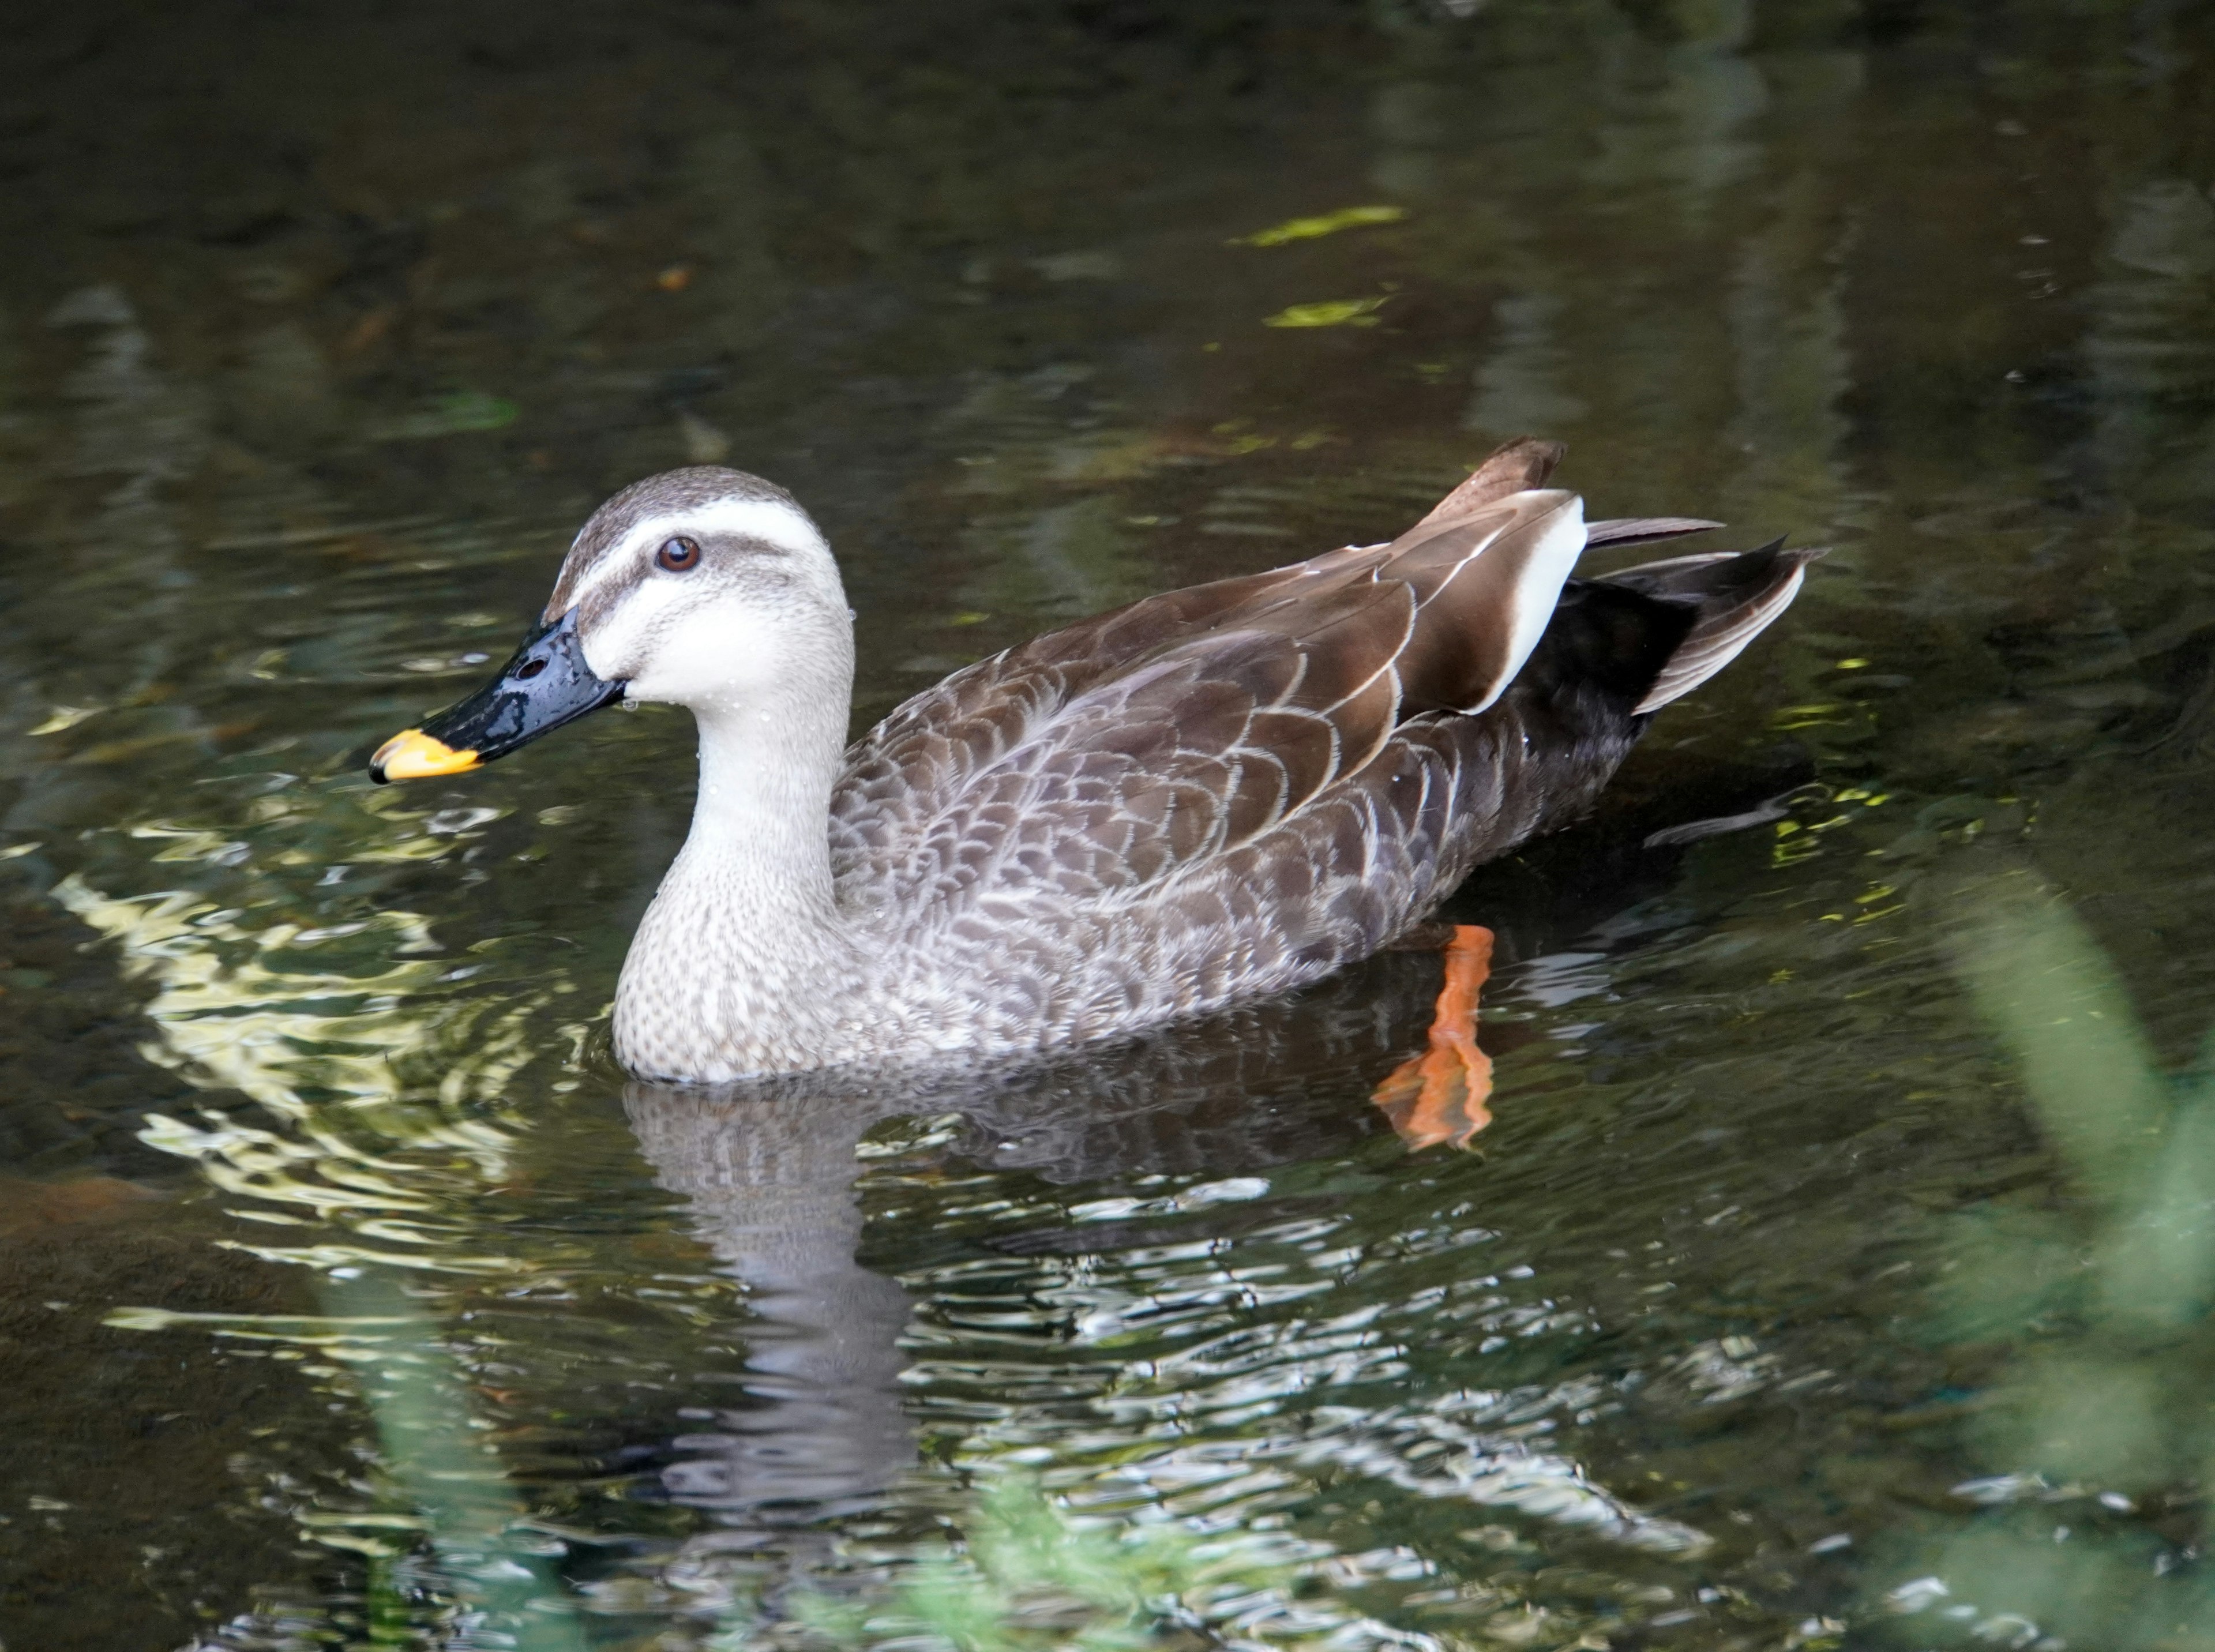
[(1835, 1268)]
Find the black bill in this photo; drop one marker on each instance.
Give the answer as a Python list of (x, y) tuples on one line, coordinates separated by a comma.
[(545, 685)]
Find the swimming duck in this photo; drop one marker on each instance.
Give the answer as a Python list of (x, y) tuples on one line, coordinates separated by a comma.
[(1215, 792)]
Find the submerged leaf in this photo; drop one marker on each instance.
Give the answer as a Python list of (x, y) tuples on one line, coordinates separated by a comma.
[(1307, 229), (462, 412), (1334, 312)]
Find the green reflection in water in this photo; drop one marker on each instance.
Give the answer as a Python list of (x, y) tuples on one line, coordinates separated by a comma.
[(2103, 1409), (485, 1578), (1030, 1576), (444, 1470)]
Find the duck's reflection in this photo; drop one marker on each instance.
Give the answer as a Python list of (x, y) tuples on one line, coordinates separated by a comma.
[(817, 1426)]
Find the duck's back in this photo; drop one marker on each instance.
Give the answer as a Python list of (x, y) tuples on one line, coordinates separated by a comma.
[(1234, 787)]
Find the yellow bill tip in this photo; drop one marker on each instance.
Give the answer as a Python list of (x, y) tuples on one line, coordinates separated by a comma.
[(411, 754)]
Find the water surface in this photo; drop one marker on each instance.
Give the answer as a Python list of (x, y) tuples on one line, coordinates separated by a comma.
[(325, 327)]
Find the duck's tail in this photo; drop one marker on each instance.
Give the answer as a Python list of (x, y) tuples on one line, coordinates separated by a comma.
[(1612, 641), (1734, 596)]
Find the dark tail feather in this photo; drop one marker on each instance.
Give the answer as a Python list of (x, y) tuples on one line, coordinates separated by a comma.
[(1735, 594), (1642, 530)]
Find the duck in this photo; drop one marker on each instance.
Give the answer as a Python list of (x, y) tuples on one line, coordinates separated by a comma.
[(1208, 795)]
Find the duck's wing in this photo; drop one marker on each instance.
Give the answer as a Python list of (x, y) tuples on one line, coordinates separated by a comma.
[(1100, 760)]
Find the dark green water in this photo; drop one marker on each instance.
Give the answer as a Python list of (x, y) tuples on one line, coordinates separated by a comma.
[(1776, 1309)]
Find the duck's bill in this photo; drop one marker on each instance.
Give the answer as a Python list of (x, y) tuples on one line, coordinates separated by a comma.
[(545, 685)]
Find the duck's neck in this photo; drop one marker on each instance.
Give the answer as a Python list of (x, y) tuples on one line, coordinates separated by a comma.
[(761, 819), (743, 963)]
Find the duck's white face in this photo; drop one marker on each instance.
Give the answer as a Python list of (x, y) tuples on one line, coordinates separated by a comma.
[(705, 588)]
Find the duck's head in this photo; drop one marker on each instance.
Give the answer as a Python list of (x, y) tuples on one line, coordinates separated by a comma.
[(703, 587)]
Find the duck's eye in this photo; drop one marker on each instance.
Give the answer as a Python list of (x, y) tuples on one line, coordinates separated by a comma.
[(677, 555)]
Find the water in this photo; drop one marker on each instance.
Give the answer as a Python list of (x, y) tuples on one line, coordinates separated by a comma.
[(346, 1289)]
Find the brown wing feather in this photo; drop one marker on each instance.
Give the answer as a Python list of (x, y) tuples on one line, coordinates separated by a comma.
[(1099, 759), (1512, 468)]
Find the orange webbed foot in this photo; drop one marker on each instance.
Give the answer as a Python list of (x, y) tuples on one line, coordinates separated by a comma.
[(1439, 1095)]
